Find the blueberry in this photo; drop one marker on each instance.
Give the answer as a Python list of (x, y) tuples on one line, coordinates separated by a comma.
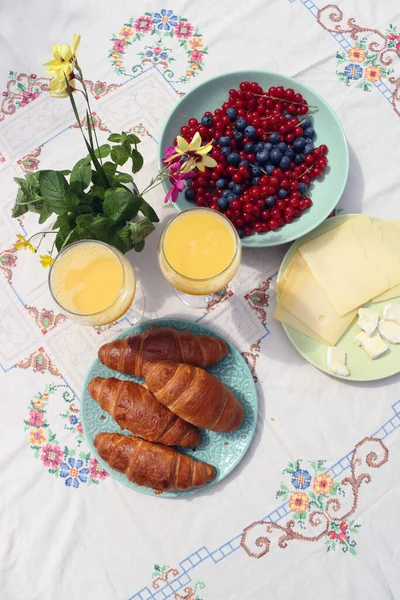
[(287, 116), (259, 147), (274, 138), (267, 146), (207, 121), (276, 156), (232, 113), (249, 147), (308, 148), (289, 152), (282, 146), (231, 197), (225, 150), (256, 172), (269, 169), (190, 194), (231, 185), (224, 140), (309, 132), (299, 144), (306, 123), (244, 163), (241, 124), (285, 162), (255, 181), (269, 202), (298, 159), (237, 189), (225, 193), (250, 131), (237, 135), (233, 159), (263, 157), (282, 194), (223, 203), (240, 232), (220, 183), (302, 187)]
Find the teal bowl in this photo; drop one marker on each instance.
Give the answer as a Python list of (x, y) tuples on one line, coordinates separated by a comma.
[(325, 193)]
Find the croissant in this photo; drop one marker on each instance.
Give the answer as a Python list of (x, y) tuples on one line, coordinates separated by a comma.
[(135, 408), (194, 395), (162, 343), (155, 466)]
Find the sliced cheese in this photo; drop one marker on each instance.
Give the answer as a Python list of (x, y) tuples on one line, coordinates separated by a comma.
[(367, 320), (391, 238), (339, 263), (391, 312), (296, 260), (284, 316), (336, 361), (390, 331), (373, 344), (304, 298)]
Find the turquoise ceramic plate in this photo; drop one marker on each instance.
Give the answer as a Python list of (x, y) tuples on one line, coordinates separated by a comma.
[(222, 450), (361, 367), (325, 193)]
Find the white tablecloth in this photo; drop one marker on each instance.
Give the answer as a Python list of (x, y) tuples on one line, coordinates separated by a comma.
[(87, 537)]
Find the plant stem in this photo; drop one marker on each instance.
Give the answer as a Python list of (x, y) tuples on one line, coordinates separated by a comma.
[(284, 100)]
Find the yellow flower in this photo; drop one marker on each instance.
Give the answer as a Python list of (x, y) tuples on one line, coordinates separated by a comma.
[(125, 32), (46, 261), (116, 55), (62, 66), (23, 243), (194, 66), (373, 73), (196, 43), (356, 55), (298, 502), (195, 152), (38, 404), (323, 483), (37, 437)]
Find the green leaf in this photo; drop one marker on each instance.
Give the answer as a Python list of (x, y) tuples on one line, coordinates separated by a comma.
[(137, 161), (148, 211), (100, 227), (109, 170), (45, 213), (352, 551), (115, 137), (124, 178), (121, 205), (103, 151), (133, 139), (139, 246), (20, 207), (81, 175), (120, 154), (140, 230), (97, 190), (65, 172), (56, 191), (84, 220)]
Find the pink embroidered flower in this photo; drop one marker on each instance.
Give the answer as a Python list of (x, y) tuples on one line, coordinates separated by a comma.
[(35, 418), (183, 30), (143, 24), (51, 456), (119, 45), (391, 36), (342, 537), (343, 526), (95, 470), (32, 76), (79, 428), (157, 50), (196, 56), (332, 534)]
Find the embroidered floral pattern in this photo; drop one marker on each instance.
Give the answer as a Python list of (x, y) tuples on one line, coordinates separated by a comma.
[(167, 574), (45, 318), (259, 300), (323, 510), (95, 121), (362, 65), (30, 162), (39, 362), (100, 88), (20, 91), (8, 260), (164, 24), (61, 462)]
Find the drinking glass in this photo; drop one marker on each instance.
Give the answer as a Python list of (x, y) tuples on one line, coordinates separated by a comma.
[(78, 270), (194, 290)]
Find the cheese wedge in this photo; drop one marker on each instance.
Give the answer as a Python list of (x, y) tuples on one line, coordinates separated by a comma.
[(390, 331), (304, 298), (367, 320), (336, 361), (339, 262), (391, 312), (373, 344), (284, 316)]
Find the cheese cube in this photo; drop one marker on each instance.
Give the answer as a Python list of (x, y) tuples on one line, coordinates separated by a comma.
[(373, 344)]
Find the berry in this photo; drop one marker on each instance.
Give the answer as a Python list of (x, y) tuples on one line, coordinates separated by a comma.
[(273, 224), (241, 124), (309, 132), (237, 136), (207, 121), (220, 183), (225, 150), (274, 138), (269, 169), (276, 156), (298, 159), (263, 157), (249, 147), (299, 144), (240, 231), (250, 131), (190, 194), (256, 172), (270, 201), (232, 113), (285, 162), (233, 159), (302, 188), (223, 203), (282, 193), (224, 141), (324, 149)]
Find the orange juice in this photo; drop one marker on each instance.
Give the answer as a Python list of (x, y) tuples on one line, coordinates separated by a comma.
[(92, 282), (199, 251)]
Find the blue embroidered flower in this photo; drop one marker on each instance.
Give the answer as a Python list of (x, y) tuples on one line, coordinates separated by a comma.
[(353, 71), (149, 52), (73, 473), (301, 479), (164, 55), (73, 419), (165, 19)]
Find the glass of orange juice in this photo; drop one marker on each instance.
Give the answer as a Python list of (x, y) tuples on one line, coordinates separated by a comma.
[(95, 284), (199, 253)]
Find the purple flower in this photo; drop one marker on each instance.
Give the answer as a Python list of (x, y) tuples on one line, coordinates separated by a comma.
[(169, 152), (177, 181)]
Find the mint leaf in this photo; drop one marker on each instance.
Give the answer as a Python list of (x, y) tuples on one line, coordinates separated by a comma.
[(45, 213), (100, 227), (124, 178), (132, 138), (141, 230), (81, 175), (149, 211), (115, 137), (139, 246), (137, 161), (120, 204), (84, 220), (103, 151), (120, 154), (55, 189)]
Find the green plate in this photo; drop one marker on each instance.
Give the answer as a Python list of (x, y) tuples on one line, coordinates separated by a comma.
[(222, 450), (361, 367), (325, 193)]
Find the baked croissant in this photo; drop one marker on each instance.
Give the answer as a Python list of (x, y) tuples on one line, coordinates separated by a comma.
[(136, 409), (162, 343), (194, 395), (155, 466)]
